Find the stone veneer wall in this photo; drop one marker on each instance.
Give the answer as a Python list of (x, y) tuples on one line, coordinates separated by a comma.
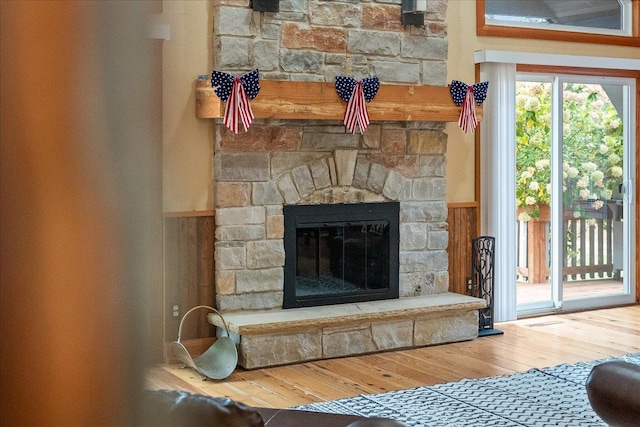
[(305, 161), (314, 40)]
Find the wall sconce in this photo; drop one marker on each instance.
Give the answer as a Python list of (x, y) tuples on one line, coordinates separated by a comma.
[(266, 5), (413, 12)]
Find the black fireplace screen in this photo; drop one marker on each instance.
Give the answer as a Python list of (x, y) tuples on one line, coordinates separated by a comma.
[(340, 253)]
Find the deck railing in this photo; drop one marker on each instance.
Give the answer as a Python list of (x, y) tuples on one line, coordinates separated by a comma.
[(591, 243)]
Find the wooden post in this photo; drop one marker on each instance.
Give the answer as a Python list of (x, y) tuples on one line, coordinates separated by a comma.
[(537, 246)]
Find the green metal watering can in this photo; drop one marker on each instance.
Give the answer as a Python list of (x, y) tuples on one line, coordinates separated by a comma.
[(218, 361)]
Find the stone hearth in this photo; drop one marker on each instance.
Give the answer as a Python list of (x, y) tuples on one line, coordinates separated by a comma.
[(271, 338)]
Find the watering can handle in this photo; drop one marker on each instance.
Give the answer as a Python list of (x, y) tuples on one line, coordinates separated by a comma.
[(226, 328)]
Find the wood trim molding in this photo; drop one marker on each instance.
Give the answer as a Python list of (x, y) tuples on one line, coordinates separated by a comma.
[(284, 99), (637, 190), (184, 214), (578, 71), (484, 29), (477, 190), (458, 205)]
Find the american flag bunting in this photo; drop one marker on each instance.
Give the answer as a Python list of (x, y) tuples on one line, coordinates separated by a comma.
[(468, 97), (356, 94), (237, 92)]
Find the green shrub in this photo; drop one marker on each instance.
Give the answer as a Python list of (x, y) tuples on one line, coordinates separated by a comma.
[(592, 148)]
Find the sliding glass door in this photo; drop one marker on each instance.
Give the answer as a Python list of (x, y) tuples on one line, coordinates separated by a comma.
[(574, 186)]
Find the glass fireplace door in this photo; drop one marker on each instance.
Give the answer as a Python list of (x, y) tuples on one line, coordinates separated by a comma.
[(342, 258), (340, 253)]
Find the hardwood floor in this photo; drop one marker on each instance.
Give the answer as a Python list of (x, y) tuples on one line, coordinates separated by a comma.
[(534, 342)]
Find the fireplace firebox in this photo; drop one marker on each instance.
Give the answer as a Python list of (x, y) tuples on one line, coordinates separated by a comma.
[(340, 253)]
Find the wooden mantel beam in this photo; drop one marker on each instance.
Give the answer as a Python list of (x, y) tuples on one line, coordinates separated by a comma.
[(283, 99)]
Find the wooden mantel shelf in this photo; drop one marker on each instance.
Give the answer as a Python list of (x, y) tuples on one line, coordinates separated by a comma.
[(283, 99)]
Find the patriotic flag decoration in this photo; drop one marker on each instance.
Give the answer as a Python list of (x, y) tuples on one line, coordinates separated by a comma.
[(468, 97), (355, 94), (236, 92)]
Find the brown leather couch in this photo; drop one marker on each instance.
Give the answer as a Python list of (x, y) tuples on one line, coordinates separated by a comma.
[(164, 408), (614, 393)]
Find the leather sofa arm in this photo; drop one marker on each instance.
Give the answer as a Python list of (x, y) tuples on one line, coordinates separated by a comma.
[(297, 418), (170, 408), (614, 393)]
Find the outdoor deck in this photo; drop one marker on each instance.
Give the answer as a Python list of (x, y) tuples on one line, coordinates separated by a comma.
[(536, 292)]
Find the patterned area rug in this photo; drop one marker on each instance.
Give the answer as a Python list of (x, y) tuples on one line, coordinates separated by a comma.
[(553, 396)]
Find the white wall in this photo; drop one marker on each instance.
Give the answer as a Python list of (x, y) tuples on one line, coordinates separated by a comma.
[(187, 140)]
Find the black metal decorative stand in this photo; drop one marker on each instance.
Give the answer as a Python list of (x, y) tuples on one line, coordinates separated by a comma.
[(481, 283)]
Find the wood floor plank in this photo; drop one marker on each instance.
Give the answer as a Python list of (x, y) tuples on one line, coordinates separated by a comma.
[(528, 343), (374, 377), (300, 376), (415, 375), (610, 337)]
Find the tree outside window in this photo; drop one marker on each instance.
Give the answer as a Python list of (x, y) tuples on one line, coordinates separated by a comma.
[(593, 144)]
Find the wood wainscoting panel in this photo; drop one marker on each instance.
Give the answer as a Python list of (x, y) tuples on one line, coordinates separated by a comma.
[(189, 273), (463, 227)]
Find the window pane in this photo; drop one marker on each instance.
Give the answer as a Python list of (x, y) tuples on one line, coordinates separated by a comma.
[(586, 14), (593, 144), (533, 190), (585, 125)]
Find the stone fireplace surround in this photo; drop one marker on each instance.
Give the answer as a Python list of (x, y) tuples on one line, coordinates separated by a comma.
[(326, 165), (306, 162), (309, 161)]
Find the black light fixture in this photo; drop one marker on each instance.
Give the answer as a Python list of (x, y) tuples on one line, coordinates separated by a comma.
[(265, 5), (413, 12)]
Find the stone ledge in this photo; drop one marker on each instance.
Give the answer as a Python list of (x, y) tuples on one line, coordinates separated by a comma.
[(262, 322), (280, 337)]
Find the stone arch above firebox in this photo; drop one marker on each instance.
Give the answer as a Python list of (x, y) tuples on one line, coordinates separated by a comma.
[(344, 177)]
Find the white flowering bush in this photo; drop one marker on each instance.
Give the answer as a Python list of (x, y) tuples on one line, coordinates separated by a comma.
[(592, 155)]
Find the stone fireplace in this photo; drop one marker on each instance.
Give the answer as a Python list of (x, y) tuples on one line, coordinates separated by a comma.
[(305, 163), (279, 163), (249, 248)]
